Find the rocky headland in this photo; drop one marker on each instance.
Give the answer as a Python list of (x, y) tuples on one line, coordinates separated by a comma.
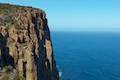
[(26, 51)]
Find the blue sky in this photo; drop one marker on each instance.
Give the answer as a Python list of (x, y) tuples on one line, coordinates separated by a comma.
[(78, 15)]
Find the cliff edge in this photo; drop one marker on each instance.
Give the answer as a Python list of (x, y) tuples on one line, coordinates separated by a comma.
[(25, 46)]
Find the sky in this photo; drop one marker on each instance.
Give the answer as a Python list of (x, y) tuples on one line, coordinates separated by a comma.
[(78, 15)]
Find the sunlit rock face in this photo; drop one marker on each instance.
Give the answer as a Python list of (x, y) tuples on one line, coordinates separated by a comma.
[(25, 45)]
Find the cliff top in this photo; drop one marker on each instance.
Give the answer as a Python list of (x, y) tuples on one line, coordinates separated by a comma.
[(8, 8), (9, 14)]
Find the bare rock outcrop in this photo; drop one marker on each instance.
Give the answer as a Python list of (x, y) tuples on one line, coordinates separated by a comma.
[(25, 44)]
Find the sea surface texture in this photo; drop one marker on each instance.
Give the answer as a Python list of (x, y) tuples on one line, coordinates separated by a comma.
[(87, 55)]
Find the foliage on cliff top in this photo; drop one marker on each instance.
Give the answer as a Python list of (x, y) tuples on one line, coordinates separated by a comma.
[(8, 8), (4, 9), (7, 12)]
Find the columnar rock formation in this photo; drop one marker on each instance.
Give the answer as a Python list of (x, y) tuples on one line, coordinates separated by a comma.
[(25, 45)]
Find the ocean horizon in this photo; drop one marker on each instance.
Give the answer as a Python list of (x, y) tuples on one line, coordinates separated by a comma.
[(87, 55)]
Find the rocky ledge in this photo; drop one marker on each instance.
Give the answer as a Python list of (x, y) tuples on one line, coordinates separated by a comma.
[(25, 46)]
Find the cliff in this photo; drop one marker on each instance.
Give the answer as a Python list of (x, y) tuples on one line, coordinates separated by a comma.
[(25, 46)]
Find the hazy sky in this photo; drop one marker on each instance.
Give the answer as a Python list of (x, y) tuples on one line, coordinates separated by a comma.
[(103, 15)]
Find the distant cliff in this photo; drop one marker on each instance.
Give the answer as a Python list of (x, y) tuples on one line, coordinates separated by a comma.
[(25, 46)]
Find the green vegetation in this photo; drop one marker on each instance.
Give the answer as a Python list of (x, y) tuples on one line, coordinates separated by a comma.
[(19, 76), (6, 71), (5, 77), (6, 8), (5, 20), (7, 11), (9, 21), (8, 74)]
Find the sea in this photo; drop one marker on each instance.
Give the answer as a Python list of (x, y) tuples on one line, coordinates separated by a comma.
[(87, 55)]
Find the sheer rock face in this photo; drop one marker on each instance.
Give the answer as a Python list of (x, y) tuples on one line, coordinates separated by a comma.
[(25, 43)]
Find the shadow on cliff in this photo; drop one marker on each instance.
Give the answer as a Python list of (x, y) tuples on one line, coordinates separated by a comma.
[(42, 72), (5, 58), (45, 72)]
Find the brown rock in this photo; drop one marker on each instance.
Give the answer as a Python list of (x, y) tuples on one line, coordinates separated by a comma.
[(25, 43)]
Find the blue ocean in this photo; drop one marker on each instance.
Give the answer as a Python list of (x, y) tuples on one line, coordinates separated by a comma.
[(87, 55)]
